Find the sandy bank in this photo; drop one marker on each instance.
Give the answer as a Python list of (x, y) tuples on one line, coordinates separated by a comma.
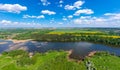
[(68, 55), (3, 42), (91, 54), (19, 41)]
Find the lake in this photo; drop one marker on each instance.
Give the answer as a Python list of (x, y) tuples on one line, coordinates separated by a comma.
[(80, 49)]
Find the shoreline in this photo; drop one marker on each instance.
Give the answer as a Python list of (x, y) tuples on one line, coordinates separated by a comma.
[(72, 59), (19, 41), (68, 55), (91, 54), (1, 43)]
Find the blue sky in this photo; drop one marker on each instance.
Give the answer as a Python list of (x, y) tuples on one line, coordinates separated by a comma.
[(59, 13)]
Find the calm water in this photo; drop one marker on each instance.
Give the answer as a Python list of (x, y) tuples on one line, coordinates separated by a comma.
[(80, 49)]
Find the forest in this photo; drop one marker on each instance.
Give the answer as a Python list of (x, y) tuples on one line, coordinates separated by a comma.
[(106, 36)]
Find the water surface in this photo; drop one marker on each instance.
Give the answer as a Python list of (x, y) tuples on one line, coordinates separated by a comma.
[(80, 49)]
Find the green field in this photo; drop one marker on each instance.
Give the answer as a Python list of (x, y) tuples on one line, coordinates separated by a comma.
[(53, 60)]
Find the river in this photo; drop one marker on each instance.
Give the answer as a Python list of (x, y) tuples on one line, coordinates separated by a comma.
[(80, 49)]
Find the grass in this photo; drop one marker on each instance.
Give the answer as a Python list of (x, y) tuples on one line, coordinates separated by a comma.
[(108, 36), (63, 31), (104, 61), (49, 61), (55, 60)]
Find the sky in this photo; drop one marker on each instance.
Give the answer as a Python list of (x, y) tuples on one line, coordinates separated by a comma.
[(59, 13)]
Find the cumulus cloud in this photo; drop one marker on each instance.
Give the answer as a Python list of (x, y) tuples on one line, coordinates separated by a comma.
[(83, 11), (45, 2), (84, 20), (61, 3), (5, 22), (12, 8), (48, 12), (64, 19), (60, 23), (70, 16), (8, 23), (111, 19), (113, 15), (76, 5), (90, 20), (69, 7), (37, 17)]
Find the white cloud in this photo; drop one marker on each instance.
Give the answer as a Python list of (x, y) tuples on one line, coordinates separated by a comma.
[(60, 23), (7, 23), (48, 12), (108, 14), (69, 7), (61, 1), (113, 15), (37, 17), (45, 2), (52, 20), (76, 5), (64, 19), (89, 20), (70, 16), (107, 20), (83, 11), (60, 5), (13, 8)]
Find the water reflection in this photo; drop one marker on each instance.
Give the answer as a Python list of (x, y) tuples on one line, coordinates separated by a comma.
[(80, 49)]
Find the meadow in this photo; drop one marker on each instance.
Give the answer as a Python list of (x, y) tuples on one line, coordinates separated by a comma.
[(56, 60)]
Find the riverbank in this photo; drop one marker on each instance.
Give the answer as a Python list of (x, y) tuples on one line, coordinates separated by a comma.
[(22, 40), (19, 41), (3, 43), (76, 60)]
